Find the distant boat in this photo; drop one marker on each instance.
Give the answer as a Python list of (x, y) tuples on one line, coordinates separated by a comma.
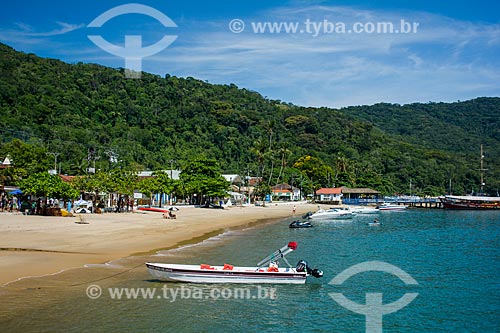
[(375, 223), (300, 224), (365, 210), (332, 214), (470, 202), (388, 206)]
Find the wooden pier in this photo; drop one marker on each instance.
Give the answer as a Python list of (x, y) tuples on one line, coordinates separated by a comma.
[(425, 204)]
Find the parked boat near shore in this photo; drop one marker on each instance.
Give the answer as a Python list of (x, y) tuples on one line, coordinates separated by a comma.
[(300, 224), (332, 214), (365, 210), (266, 271)]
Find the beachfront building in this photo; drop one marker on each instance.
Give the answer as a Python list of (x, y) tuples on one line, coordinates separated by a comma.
[(173, 174), (331, 196), (158, 198), (249, 186), (285, 192), (359, 196), (235, 180)]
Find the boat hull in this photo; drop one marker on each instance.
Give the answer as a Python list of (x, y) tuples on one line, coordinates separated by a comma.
[(216, 274), (386, 207), (298, 225), (470, 202), (332, 215), (365, 211), (153, 209)]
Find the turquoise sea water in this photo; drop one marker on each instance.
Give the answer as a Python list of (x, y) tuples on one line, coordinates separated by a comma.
[(453, 255)]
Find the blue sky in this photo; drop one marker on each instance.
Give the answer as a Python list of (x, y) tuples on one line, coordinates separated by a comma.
[(453, 54)]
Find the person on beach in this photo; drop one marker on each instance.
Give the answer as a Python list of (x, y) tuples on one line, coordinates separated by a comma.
[(294, 209), (169, 215)]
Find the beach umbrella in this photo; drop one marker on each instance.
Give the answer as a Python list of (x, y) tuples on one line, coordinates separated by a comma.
[(16, 192)]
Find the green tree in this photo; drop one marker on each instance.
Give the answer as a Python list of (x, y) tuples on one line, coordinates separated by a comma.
[(27, 158), (49, 186), (202, 179), (315, 169)]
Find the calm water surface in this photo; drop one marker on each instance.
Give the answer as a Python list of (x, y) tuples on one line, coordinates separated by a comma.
[(453, 255)]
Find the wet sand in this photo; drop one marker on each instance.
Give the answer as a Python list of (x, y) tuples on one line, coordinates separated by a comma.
[(35, 245)]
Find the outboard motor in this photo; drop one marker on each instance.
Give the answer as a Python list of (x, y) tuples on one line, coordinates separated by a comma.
[(303, 267)]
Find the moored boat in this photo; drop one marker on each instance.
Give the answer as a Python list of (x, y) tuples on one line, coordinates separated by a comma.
[(470, 202), (332, 214), (387, 206), (300, 224), (266, 271), (365, 210), (475, 202)]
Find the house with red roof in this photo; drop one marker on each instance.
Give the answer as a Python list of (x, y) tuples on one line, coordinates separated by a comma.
[(285, 192), (326, 195)]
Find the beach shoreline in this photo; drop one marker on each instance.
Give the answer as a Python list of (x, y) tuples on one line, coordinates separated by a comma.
[(34, 246)]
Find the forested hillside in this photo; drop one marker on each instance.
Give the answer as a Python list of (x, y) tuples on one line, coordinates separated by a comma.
[(459, 127), (85, 110)]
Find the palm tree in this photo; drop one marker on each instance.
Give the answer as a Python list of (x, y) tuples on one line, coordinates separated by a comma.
[(258, 150), (284, 153)]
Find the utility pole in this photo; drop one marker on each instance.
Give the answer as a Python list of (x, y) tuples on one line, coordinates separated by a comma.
[(171, 178), (482, 170), (55, 161), (113, 157)]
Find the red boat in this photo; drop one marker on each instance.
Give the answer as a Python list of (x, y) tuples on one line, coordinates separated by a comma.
[(153, 209), (470, 202)]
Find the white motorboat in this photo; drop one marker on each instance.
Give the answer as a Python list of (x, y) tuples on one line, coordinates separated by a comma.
[(266, 271), (332, 214), (365, 210), (388, 206)]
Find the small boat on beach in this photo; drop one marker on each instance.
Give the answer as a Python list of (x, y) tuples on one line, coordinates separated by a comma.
[(300, 224), (266, 271), (157, 209), (153, 209)]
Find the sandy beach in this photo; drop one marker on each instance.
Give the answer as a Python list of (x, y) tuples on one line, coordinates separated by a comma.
[(36, 245)]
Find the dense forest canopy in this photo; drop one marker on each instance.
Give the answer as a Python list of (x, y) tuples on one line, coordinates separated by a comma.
[(90, 114)]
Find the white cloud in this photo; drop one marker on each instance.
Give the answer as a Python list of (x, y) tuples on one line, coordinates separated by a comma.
[(26, 34), (445, 59)]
